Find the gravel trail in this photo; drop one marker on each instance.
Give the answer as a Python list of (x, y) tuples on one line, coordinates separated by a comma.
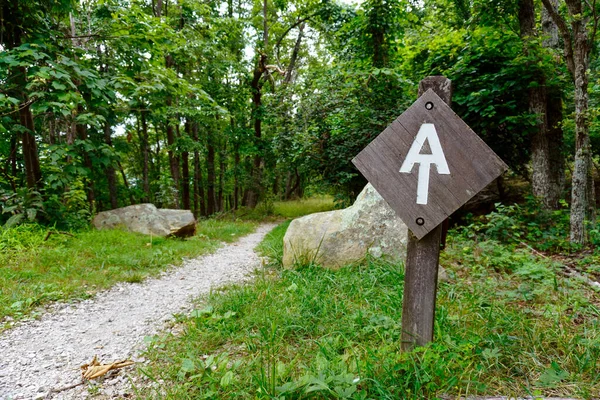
[(42, 355)]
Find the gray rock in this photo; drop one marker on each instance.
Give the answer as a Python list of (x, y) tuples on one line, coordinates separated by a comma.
[(149, 220), (337, 238)]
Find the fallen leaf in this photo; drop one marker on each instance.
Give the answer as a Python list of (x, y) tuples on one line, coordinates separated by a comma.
[(95, 370)]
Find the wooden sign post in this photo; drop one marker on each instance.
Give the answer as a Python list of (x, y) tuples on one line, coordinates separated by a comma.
[(426, 165)]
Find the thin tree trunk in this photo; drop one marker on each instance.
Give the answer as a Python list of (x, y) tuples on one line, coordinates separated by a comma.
[(211, 176), (33, 171), (12, 159), (288, 185), (289, 74), (173, 157), (110, 170), (185, 171), (145, 145), (236, 177), (222, 168), (81, 131), (255, 188), (125, 183), (199, 203)]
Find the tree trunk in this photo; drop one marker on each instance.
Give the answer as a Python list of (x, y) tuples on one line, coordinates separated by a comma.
[(288, 185), (236, 177), (546, 179), (581, 193), (145, 145), (110, 170), (185, 172), (33, 171), (211, 202), (255, 188), (289, 73), (222, 168), (131, 199), (199, 204), (173, 157), (81, 130), (577, 49)]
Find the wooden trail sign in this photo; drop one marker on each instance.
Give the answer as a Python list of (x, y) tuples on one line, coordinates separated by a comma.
[(426, 165)]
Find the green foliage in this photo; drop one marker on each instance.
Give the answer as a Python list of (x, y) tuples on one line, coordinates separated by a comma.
[(24, 205), (545, 230), (490, 74)]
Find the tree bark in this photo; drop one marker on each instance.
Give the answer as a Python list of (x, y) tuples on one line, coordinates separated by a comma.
[(546, 179), (173, 156), (577, 49), (211, 203), (110, 170), (185, 171), (236, 177), (199, 203), (145, 145), (222, 167), (33, 171), (255, 188), (289, 73)]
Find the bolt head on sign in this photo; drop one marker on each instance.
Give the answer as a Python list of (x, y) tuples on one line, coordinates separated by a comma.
[(428, 163)]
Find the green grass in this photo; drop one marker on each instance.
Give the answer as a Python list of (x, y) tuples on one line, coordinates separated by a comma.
[(298, 208), (35, 272), (272, 244), (508, 323)]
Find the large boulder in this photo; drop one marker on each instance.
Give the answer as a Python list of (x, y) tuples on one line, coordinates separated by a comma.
[(337, 238), (149, 220)]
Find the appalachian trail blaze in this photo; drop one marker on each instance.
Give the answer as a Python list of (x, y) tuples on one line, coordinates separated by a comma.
[(416, 133), (428, 133)]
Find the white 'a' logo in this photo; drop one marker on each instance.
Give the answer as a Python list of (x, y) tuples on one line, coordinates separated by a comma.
[(414, 156)]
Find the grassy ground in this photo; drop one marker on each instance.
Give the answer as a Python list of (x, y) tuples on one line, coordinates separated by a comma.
[(276, 210), (508, 322), (297, 208), (37, 271)]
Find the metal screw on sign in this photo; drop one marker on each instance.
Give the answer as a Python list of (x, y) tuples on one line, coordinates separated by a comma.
[(429, 105)]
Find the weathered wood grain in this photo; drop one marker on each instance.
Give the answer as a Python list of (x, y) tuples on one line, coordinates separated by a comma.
[(422, 259), (472, 164)]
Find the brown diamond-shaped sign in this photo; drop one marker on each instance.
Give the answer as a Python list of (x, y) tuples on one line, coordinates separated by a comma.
[(428, 163)]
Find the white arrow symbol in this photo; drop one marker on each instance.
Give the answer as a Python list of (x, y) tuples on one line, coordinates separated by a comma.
[(426, 132)]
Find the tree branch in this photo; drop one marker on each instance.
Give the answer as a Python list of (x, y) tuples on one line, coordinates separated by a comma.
[(274, 68), (20, 107), (295, 24), (566, 34), (93, 35)]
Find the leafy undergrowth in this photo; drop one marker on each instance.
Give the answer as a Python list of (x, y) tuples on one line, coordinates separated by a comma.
[(508, 323), (75, 266)]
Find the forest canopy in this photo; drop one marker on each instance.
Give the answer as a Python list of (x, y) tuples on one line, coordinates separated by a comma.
[(215, 105)]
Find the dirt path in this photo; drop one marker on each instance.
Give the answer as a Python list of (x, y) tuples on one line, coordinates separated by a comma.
[(43, 355)]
